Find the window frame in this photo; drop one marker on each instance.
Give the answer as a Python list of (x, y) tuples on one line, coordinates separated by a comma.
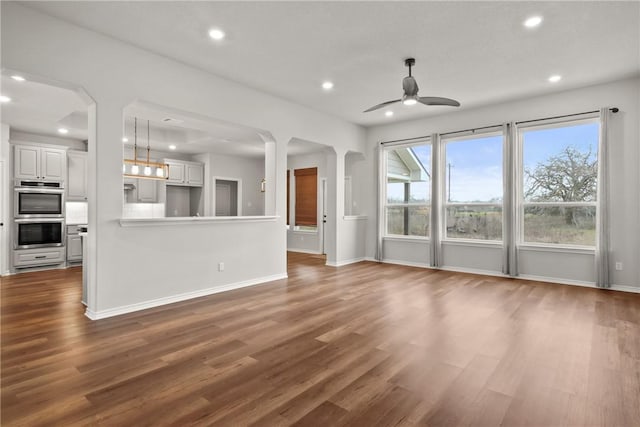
[(444, 140), (522, 204), (384, 195)]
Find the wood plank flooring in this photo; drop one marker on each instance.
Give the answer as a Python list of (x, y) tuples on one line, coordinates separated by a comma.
[(362, 345)]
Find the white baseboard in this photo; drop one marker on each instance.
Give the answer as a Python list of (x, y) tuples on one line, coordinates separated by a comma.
[(474, 271), (621, 288), (116, 311), (624, 288), (304, 251), (407, 263), (556, 280), (345, 262)]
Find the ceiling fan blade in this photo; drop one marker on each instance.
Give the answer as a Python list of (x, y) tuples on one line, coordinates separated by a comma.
[(384, 104), (436, 100)]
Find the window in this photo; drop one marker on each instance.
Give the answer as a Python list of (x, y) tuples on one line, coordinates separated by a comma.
[(473, 187), (306, 203), (559, 164), (408, 190)]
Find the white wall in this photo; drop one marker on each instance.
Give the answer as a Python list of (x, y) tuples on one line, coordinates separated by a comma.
[(355, 167), (306, 241), (6, 216), (72, 143), (625, 181), (129, 265), (250, 171)]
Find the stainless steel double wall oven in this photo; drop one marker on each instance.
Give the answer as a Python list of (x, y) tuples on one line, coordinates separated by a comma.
[(38, 214)]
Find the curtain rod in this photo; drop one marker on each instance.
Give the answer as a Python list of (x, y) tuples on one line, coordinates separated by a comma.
[(470, 130), (612, 109), (416, 138)]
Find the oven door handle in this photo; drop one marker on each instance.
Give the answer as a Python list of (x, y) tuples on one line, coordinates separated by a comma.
[(28, 190), (36, 220)]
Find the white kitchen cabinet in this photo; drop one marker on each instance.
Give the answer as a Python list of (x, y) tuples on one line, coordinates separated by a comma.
[(190, 174), (37, 257), (176, 172), (143, 191), (77, 176), (35, 162), (147, 190), (74, 243), (74, 248), (195, 174)]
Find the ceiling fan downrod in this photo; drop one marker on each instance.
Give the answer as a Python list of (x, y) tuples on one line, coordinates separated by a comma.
[(409, 62)]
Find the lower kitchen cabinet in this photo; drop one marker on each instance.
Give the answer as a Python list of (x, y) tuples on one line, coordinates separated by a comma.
[(74, 248), (74, 243), (38, 257)]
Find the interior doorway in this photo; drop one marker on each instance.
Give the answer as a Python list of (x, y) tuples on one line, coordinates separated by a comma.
[(227, 197)]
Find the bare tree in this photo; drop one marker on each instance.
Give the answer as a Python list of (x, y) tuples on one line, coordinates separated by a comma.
[(570, 176)]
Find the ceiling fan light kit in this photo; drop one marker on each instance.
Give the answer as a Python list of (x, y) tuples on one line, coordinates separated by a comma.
[(410, 96)]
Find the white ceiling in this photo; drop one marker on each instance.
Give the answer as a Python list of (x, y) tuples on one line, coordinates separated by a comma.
[(191, 133), (42, 109), (476, 52)]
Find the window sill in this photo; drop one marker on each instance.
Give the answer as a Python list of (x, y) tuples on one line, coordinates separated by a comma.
[(473, 242), (559, 249), (147, 222), (354, 217), (406, 239), (303, 231)]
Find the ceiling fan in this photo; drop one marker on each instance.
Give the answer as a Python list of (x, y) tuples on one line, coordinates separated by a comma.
[(411, 97)]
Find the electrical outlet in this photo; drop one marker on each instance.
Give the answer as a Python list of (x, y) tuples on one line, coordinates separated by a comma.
[(619, 266), (221, 266)]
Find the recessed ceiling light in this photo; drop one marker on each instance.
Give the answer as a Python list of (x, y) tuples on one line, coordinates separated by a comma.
[(555, 78), (18, 78), (172, 147), (388, 113), (327, 85), (534, 21), (63, 131), (125, 139), (216, 34), (4, 98)]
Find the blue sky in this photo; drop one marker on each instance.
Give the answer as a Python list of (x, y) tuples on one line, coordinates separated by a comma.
[(476, 164)]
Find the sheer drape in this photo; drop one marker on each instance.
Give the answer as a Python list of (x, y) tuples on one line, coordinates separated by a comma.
[(602, 210)]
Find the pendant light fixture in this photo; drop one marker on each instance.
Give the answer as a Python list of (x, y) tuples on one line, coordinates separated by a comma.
[(161, 169)]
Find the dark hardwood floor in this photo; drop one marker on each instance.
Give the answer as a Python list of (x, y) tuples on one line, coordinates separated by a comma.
[(361, 345)]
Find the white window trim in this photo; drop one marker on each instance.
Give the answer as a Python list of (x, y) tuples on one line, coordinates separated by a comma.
[(446, 204), (383, 188), (399, 238), (521, 203)]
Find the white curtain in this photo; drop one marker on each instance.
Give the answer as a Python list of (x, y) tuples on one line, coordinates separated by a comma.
[(380, 220), (602, 209), (510, 251), (436, 191)]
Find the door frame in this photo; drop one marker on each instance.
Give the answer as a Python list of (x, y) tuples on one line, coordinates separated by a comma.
[(213, 193), (323, 215)]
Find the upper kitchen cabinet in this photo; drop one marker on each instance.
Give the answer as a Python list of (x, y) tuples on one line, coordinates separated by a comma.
[(185, 173), (141, 190), (77, 176), (147, 190), (34, 162)]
